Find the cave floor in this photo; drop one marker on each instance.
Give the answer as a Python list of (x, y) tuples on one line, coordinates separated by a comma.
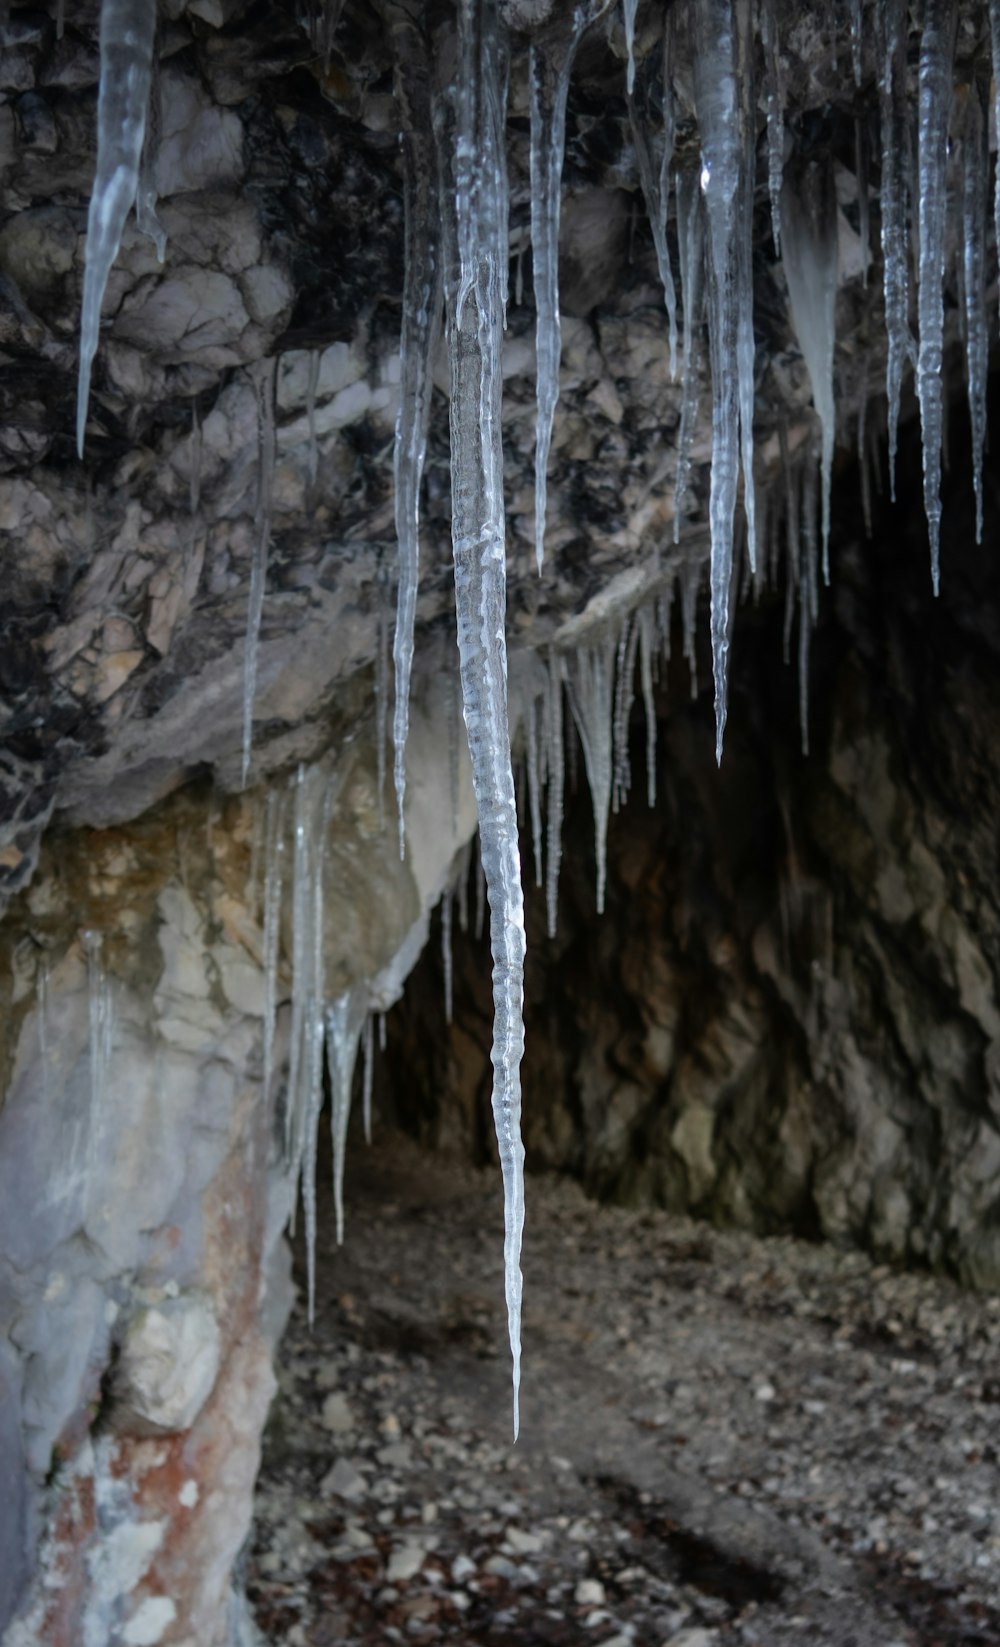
[(723, 1439)]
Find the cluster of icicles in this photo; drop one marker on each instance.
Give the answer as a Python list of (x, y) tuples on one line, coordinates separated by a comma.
[(456, 259)]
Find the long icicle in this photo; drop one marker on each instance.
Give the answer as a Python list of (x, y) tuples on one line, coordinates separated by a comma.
[(975, 170), (994, 11), (937, 55), (550, 63), (892, 105), (476, 267), (719, 101), (127, 35), (418, 342)]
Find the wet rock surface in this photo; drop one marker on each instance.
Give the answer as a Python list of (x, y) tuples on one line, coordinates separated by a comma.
[(724, 1439)]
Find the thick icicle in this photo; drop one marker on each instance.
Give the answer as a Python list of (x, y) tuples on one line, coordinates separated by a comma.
[(892, 198), (690, 235), (550, 63), (127, 34), (655, 186), (646, 637), (721, 76), (418, 343), (775, 89), (274, 862), (937, 55), (975, 170), (591, 684), (557, 773), (367, 1075), (809, 254), (477, 268), (629, 9), (344, 1022), (264, 375)]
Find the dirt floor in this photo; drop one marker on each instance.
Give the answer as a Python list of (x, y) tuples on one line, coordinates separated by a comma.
[(723, 1439)]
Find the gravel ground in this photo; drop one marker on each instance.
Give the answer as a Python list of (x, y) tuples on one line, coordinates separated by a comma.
[(723, 1439)]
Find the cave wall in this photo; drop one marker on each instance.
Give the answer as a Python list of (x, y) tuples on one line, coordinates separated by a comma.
[(788, 1016)]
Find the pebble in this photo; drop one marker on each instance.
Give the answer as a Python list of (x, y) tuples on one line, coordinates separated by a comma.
[(405, 1562), (589, 1593), (344, 1481), (336, 1415)]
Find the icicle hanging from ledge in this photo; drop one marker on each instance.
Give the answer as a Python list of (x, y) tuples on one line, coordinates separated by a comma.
[(472, 131)]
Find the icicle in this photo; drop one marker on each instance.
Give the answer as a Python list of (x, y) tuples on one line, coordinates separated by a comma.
[(629, 8), (127, 33), (368, 1070), (621, 781), (775, 89), (892, 104), (534, 788), (344, 1022), (937, 53), (645, 623), (856, 21), (418, 344), (477, 268), (556, 765), (722, 76), (656, 187), (550, 62), (591, 681), (809, 253), (690, 235), (274, 861), (381, 687), (264, 375), (975, 170), (301, 948)]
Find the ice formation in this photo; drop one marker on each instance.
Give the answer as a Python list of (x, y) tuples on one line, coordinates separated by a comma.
[(127, 34), (418, 340), (937, 50), (476, 287), (550, 63)]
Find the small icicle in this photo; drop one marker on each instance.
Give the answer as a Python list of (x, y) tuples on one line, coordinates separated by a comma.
[(367, 1075), (628, 643), (550, 63), (975, 170), (476, 268), (775, 91), (264, 377), (418, 345), (629, 9), (274, 863), (555, 761), (856, 22), (656, 187), (127, 33), (591, 681), (646, 642), (691, 237), (937, 57), (809, 254), (723, 82), (534, 788), (344, 1021), (892, 104)]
